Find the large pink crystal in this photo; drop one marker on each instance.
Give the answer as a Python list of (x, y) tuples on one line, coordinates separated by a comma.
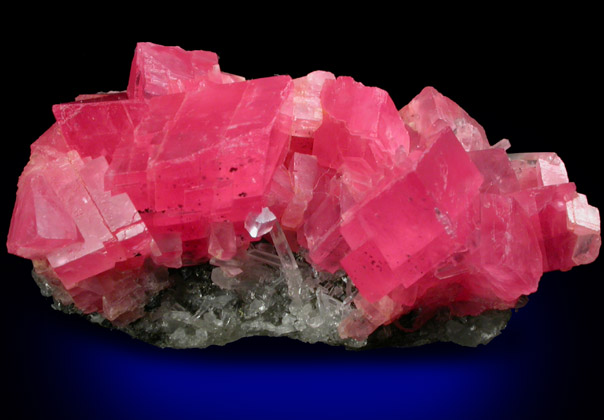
[(191, 164)]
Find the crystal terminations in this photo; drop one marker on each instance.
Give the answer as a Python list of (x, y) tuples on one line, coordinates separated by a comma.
[(198, 207)]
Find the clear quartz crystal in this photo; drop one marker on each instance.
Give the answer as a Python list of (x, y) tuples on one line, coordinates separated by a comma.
[(259, 224), (288, 263)]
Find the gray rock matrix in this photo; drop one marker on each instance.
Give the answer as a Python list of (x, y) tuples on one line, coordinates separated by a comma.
[(271, 291)]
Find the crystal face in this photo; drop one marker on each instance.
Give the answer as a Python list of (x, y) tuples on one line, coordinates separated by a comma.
[(198, 207)]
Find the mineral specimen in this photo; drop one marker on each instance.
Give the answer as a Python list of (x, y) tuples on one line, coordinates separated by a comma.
[(197, 208)]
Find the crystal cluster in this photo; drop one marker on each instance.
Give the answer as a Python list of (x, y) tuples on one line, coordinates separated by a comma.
[(198, 207)]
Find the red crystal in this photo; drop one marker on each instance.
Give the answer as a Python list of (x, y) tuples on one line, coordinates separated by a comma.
[(192, 164)]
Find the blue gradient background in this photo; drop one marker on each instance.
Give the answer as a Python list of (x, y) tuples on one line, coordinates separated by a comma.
[(543, 366)]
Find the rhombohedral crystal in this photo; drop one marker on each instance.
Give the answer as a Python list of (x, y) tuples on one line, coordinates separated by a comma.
[(198, 207)]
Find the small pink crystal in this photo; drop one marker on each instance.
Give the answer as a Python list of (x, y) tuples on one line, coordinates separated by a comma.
[(191, 165)]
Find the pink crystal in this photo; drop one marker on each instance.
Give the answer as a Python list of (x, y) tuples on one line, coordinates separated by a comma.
[(191, 165), (158, 70), (430, 112), (359, 122)]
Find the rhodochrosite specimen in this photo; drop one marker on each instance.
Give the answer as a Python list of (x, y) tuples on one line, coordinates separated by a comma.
[(198, 207)]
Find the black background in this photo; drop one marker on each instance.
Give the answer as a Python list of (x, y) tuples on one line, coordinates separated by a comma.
[(533, 78)]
